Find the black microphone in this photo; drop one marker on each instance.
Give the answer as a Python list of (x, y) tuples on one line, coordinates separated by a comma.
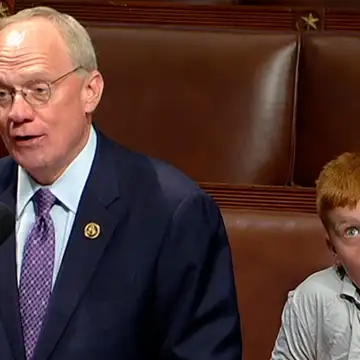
[(7, 223)]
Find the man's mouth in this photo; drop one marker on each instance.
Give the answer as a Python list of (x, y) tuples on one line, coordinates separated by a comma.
[(27, 139)]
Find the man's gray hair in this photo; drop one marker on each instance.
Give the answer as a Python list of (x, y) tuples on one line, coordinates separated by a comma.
[(77, 39)]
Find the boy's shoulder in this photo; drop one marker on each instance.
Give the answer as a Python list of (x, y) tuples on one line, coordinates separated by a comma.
[(321, 293), (327, 282), (320, 286)]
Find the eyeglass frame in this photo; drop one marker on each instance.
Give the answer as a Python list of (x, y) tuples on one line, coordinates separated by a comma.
[(13, 91)]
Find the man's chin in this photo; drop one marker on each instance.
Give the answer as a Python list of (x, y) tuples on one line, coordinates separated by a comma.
[(30, 163)]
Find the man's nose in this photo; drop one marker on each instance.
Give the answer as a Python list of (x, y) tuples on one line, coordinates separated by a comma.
[(20, 109)]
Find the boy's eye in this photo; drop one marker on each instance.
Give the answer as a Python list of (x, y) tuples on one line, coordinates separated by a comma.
[(351, 232)]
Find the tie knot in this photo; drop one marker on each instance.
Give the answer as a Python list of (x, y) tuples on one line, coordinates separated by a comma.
[(44, 200)]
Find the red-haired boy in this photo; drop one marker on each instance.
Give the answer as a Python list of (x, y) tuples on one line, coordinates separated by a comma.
[(321, 318)]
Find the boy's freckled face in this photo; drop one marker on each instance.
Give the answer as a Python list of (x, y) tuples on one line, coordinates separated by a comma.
[(344, 234)]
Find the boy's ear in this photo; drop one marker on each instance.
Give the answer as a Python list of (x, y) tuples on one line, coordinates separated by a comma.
[(332, 249), (330, 245)]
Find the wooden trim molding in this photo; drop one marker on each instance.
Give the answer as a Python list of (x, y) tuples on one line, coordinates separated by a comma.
[(164, 13), (280, 198), (342, 20), (227, 16)]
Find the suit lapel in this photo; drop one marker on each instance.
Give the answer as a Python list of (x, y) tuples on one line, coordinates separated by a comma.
[(9, 306), (83, 253)]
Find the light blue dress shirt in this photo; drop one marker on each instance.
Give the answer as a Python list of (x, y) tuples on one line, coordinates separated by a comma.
[(67, 189), (320, 320)]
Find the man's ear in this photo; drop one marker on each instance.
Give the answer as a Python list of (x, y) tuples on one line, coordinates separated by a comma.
[(92, 92)]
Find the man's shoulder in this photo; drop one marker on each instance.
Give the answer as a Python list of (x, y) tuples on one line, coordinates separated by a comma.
[(7, 172), (6, 161), (152, 177), (173, 180)]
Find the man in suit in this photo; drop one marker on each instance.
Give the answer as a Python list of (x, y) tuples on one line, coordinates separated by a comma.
[(116, 255)]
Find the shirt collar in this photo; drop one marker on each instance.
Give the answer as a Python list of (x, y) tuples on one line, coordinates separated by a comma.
[(68, 188), (349, 290)]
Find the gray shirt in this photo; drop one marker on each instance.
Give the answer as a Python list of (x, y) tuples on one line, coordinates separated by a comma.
[(320, 320)]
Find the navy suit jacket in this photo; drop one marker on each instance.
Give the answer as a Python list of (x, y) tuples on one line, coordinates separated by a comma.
[(156, 284)]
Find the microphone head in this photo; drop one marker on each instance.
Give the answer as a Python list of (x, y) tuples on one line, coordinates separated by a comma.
[(7, 222)]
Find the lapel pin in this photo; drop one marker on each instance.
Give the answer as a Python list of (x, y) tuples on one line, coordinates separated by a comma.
[(92, 230)]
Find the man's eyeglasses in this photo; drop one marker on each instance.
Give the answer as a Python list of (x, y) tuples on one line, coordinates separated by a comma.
[(35, 92)]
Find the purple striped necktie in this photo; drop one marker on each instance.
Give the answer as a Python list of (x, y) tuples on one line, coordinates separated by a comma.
[(37, 270)]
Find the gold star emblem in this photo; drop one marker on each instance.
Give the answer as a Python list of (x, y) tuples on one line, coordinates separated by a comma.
[(4, 9), (310, 21)]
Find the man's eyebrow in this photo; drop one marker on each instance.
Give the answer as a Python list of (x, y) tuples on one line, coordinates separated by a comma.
[(4, 82), (37, 75), (3, 76), (27, 76)]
